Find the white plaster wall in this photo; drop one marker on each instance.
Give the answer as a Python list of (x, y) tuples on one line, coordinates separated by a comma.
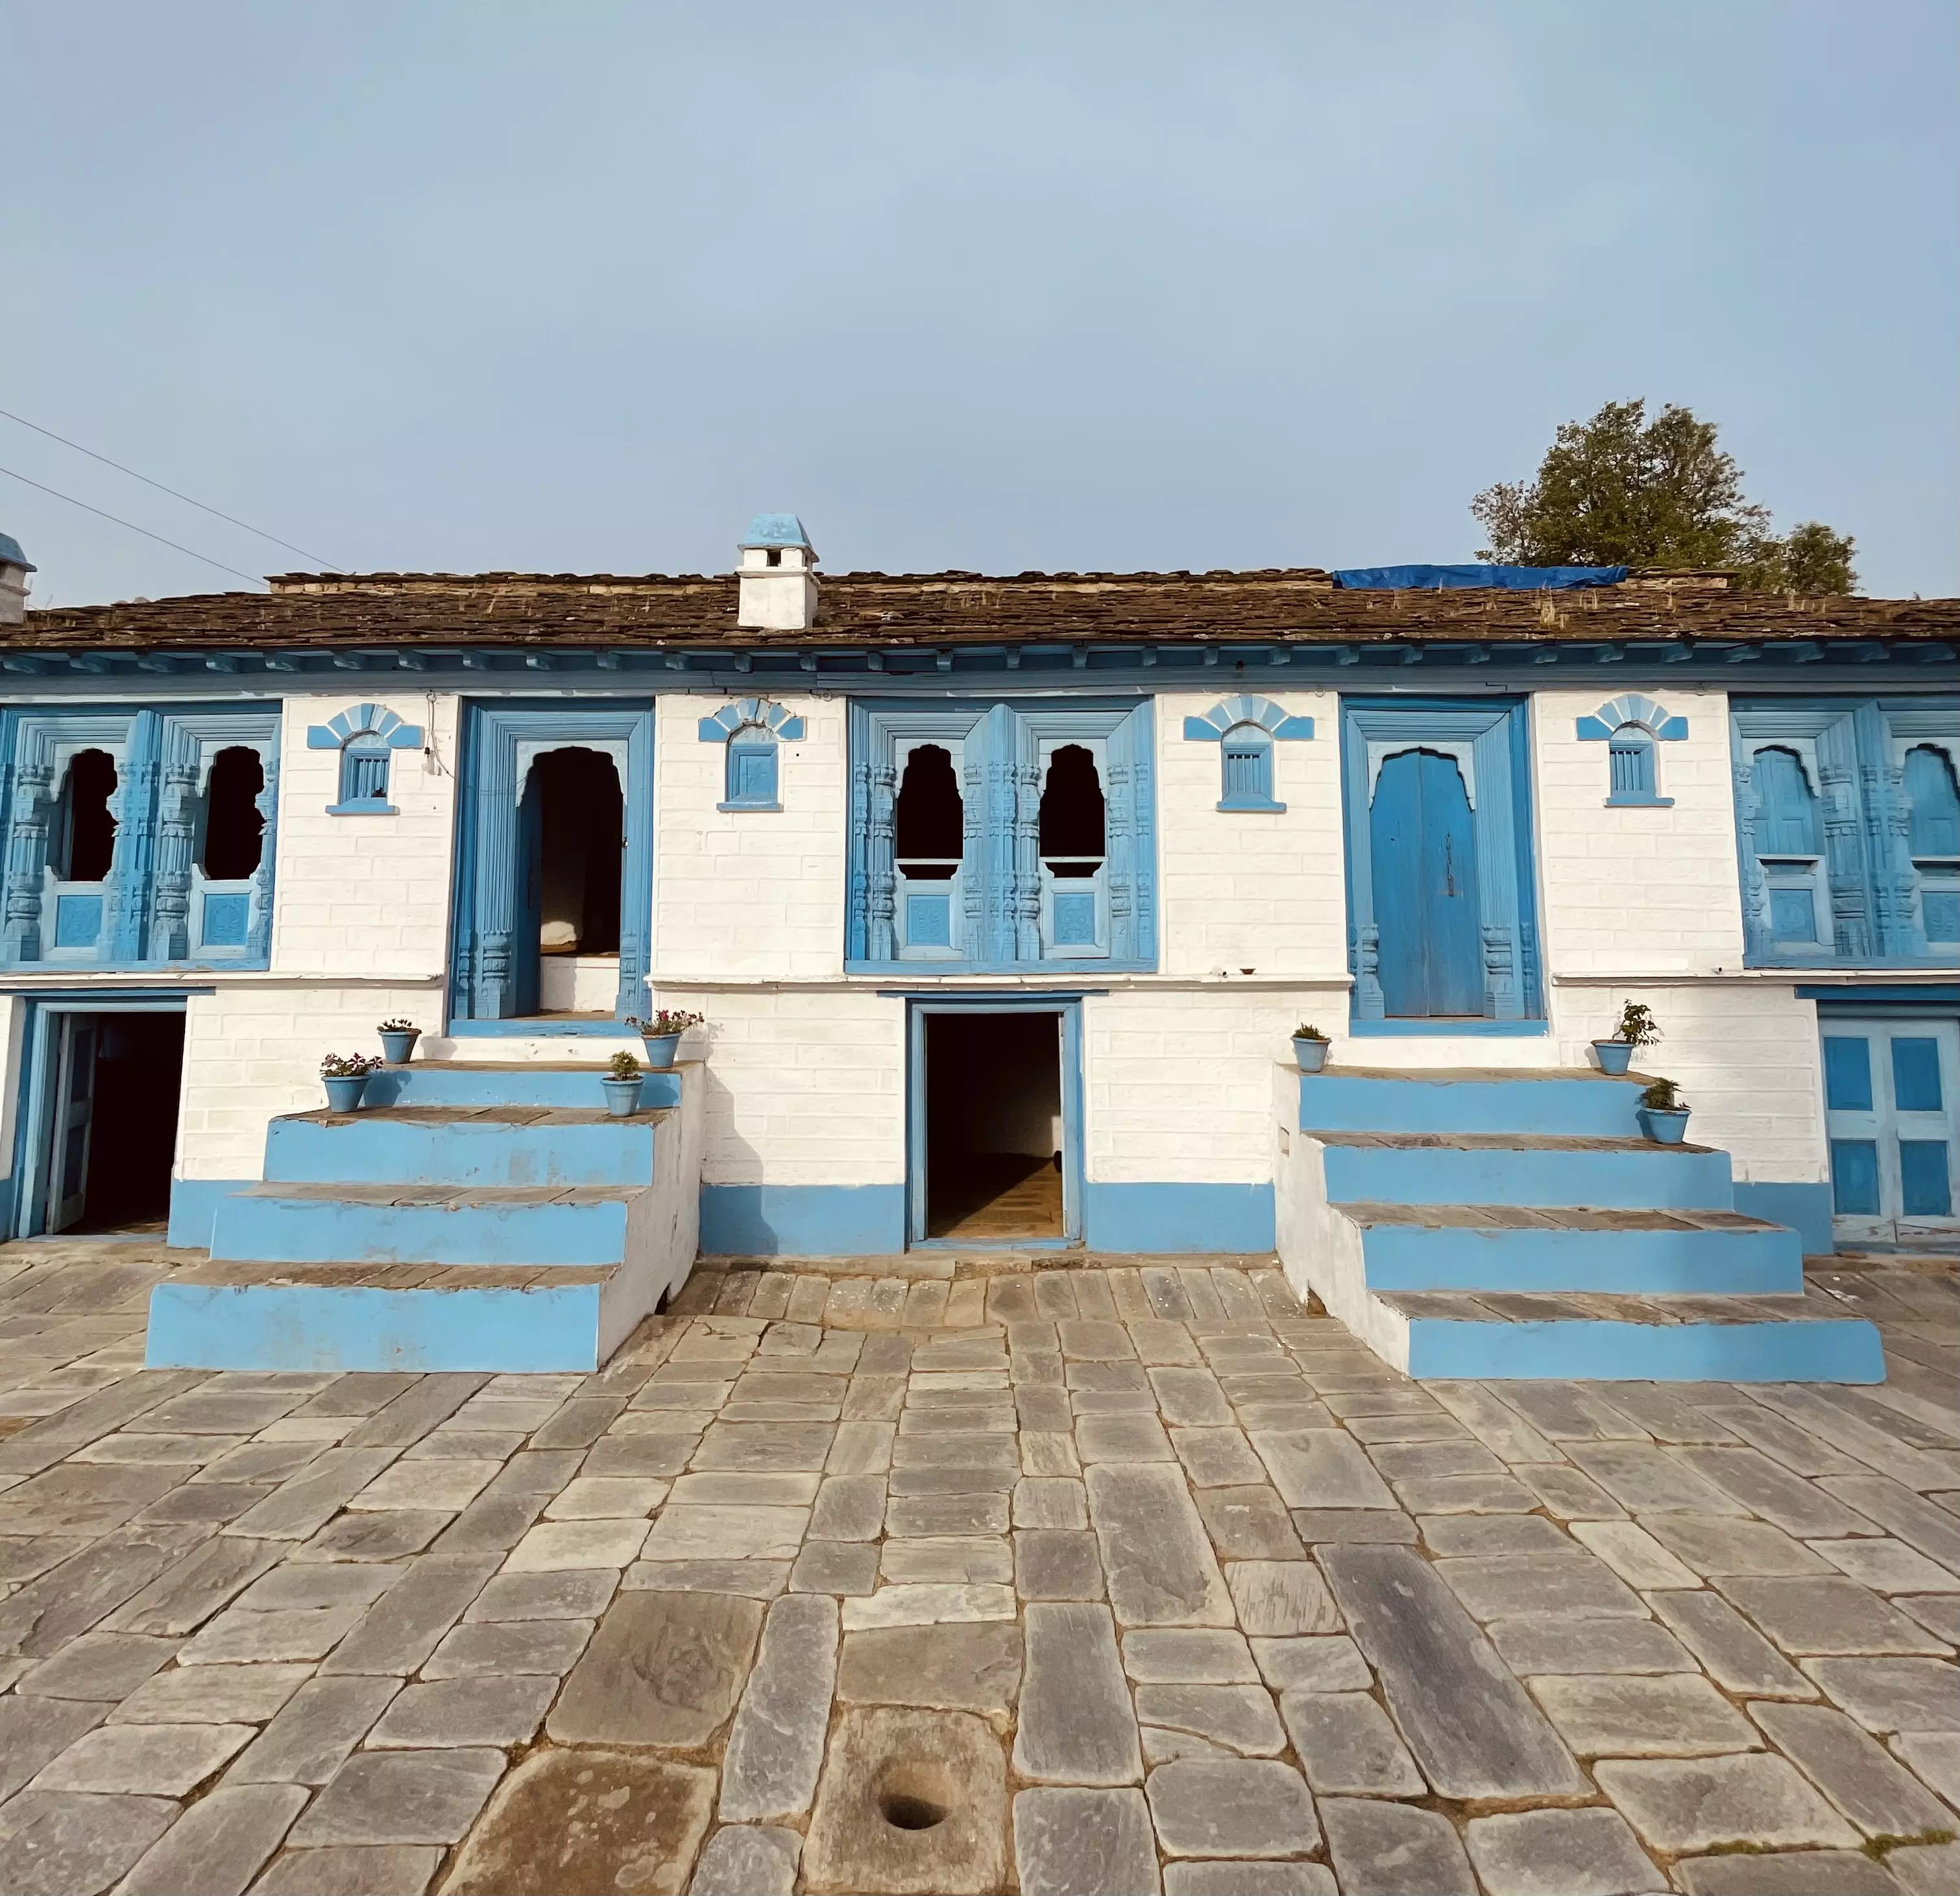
[(1636, 890), (749, 894), (252, 1052), (802, 1088), (1247, 889), (1177, 1084), (364, 894)]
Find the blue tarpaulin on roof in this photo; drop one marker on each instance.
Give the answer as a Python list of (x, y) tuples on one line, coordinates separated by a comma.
[(1516, 579)]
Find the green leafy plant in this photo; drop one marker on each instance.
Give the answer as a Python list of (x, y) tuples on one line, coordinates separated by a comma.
[(623, 1066), (398, 1027), (1303, 1031), (1638, 1027), (1663, 1095), (664, 1023), (349, 1066)]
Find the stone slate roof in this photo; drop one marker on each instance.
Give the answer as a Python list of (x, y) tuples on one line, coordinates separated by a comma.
[(863, 609)]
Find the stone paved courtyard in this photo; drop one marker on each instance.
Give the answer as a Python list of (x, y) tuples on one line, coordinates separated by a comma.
[(1087, 1578)]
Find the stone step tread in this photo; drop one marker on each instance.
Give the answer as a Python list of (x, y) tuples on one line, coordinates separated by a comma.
[(245, 1272), (1497, 1142), (1443, 1076), (1524, 1217), (447, 1197), (509, 1115), (596, 1067), (1547, 1306)]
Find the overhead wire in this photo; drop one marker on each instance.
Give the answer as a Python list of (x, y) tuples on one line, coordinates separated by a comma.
[(255, 578), (215, 513)]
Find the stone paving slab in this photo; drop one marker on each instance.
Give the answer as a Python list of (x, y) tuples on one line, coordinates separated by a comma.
[(778, 1599)]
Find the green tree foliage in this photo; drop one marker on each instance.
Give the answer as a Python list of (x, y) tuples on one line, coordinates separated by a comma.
[(1621, 490)]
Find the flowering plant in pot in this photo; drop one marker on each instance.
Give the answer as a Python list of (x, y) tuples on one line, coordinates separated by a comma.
[(1663, 1113), (622, 1082), (1309, 1048), (1638, 1029), (345, 1076), (398, 1041), (662, 1034)]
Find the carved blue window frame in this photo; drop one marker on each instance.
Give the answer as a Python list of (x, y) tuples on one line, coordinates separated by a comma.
[(155, 906), (1867, 886), (1005, 904), (364, 734), (1244, 728), (750, 728), (1630, 726)]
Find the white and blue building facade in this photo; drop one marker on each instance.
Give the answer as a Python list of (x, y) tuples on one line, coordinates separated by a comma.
[(1170, 816)]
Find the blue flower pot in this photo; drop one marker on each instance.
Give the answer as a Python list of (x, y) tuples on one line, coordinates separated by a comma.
[(1311, 1054), (1614, 1056), (1664, 1128), (344, 1091), (398, 1049), (622, 1097), (660, 1048)]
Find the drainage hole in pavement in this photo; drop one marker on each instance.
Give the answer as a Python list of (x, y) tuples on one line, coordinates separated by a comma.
[(904, 1812)]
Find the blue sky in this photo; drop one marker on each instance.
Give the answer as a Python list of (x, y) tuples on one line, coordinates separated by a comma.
[(578, 288)]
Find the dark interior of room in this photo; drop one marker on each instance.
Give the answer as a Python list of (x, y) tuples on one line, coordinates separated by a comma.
[(133, 1132), (993, 1125), (582, 823)]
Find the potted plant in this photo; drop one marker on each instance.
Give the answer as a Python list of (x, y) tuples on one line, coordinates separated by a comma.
[(662, 1034), (344, 1075), (1663, 1114), (1309, 1048), (398, 1041), (622, 1083), (1638, 1029)]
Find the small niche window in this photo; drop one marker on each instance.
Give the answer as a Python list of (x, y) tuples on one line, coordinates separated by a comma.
[(363, 735), (751, 779), (234, 827), (1246, 763), (1629, 755), (84, 843), (1634, 727)]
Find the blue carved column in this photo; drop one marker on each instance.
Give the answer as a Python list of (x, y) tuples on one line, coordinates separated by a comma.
[(879, 789), (636, 892), (493, 986), (175, 839), (28, 848), (259, 943), (132, 871), (1756, 935)]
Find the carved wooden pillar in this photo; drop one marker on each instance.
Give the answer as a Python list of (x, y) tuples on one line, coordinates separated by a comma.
[(28, 855), (1755, 889), (1850, 916), (493, 995), (1364, 963), (259, 943), (879, 793), (132, 870), (1026, 791), (1119, 844), (176, 833)]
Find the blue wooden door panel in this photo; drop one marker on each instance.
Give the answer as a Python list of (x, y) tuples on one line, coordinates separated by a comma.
[(1889, 1090), (1423, 849)]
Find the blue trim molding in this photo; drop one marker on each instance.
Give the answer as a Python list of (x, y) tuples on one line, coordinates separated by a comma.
[(1271, 718), (802, 1221), (1630, 726), (364, 734), (1165, 1216), (759, 711)]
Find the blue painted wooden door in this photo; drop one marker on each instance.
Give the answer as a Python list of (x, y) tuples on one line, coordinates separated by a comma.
[(526, 974), (1423, 852), (1890, 1089), (75, 1111)]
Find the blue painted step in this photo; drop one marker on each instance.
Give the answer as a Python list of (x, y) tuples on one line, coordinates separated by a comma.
[(463, 1083), (463, 1146), (1800, 1338), (1560, 1100), (425, 1223), (1503, 1248), (1464, 1167)]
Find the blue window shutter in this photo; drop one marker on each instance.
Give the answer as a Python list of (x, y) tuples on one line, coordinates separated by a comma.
[(1915, 1074), (1935, 803), (1246, 761), (363, 776), (1848, 1074), (1787, 823), (1631, 753), (752, 773), (1926, 1189)]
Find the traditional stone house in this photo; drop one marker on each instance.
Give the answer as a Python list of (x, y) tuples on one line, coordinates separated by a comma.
[(1002, 897)]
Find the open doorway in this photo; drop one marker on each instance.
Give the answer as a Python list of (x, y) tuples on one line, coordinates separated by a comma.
[(573, 823), (995, 1139), (112, 1126)]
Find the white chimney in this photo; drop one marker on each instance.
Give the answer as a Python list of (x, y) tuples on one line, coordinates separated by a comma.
[(776, 567), (13, 571)]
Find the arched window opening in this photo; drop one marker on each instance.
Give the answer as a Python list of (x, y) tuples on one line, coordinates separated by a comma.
[(1930, 789), (234, 827), (1073, 825), (1786, 805), (1629, 753), (928, 820), (84, 838), (580, 840)]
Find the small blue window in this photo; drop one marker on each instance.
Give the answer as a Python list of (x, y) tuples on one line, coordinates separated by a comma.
[(1848, 1074), (1630, 754), (1247, 763), (1916, 1075), (751, 782), (1854, 1177), (1925, 1188), (363, 778)]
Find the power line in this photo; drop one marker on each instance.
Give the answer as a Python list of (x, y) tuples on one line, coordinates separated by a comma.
[(319, 559), (254, 577)]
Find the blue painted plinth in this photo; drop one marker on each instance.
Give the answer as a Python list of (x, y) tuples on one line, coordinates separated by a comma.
[(1591, 1107), (1160, 1218), (1764, 1261), (421, 1084), (1644, 1177), (360, 1150), (1805, 1208), (802, 1221), (316, 1327), (1791, 1352), (261, 1222)]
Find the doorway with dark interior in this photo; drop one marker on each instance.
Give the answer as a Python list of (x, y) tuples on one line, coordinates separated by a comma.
[(573, 823), (112, 1124), (995, 1132)]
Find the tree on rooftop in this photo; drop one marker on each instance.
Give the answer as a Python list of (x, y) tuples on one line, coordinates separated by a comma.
[(1621, 490)]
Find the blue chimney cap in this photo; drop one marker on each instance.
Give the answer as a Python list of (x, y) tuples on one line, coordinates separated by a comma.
[(777, 530), (10, 554)]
